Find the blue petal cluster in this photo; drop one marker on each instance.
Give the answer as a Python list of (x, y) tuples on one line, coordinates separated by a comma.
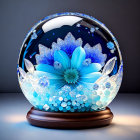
[(95, 54), (45, 58)]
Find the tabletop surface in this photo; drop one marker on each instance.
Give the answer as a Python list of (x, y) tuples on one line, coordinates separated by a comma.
[(14, 126)]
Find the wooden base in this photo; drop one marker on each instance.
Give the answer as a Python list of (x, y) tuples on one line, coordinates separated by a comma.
[(60, 120)]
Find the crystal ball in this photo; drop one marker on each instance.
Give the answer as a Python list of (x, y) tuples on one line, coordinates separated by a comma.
[(70, 62)]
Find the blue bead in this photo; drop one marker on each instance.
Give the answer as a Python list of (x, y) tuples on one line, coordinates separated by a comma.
[(64, 110), (95, 86), (68, 107), (72, 110), (69, 103), (83, 109), (65, 99), (86, 104), (35, 94), (56, 109), (79, 107), (77, 104), (108, 85), (75, 107), (110, 45), (58, 102), (55, 104), (60, 108)]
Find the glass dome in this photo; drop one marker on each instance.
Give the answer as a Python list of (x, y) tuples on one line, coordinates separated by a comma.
[(70, 62)]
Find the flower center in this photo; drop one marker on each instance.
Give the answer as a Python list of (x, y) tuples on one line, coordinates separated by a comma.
[(71, 76)]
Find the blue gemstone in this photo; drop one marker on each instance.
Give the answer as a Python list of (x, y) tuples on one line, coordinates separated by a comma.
[(110, 45), (35, 94), (95, 86), (108, 85), (86, 104), (72, 110), (60, 108), (68, 107), (69, 103)]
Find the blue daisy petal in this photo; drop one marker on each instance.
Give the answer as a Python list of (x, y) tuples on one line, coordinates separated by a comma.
[(58, 83), (47, 68), (48, 75), (90, 78), (86, 85), (94, 67), (78, 57), (54, 79), (62, 57)]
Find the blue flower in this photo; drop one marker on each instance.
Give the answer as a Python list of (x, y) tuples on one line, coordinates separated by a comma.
[(67, 63), (72, 71)]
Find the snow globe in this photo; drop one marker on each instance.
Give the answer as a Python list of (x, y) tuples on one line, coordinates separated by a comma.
[(70, 69)]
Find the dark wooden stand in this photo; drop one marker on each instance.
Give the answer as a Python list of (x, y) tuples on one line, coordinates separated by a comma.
[(60, 120)]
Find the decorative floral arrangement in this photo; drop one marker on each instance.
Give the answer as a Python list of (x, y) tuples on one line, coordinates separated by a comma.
[(71, 77)]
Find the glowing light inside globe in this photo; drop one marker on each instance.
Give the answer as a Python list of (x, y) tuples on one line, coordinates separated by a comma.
[(70, 62)]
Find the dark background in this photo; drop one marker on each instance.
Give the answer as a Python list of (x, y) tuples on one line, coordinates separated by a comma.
[(122, 17)]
